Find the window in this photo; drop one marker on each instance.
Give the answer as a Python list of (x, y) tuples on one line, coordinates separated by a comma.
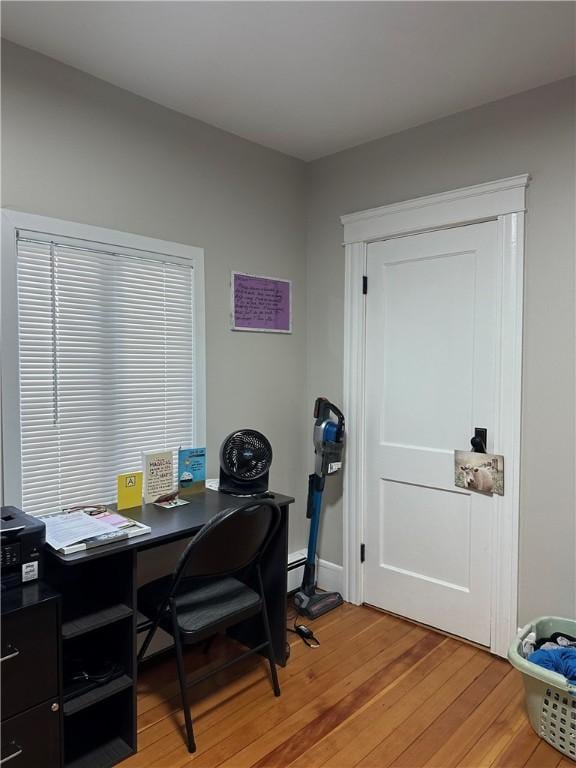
[(110, 358)]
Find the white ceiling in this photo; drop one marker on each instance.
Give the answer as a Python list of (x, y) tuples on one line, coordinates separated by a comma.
[(307, 78)]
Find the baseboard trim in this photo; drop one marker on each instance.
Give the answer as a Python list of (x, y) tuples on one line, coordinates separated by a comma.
[(330, 575), (295, 576)]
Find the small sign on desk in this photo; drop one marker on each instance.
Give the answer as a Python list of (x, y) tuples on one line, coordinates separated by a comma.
[(158, 474), (129, 490)]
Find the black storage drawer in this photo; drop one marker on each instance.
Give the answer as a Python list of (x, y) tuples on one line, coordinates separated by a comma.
[(32, 739), (29, 657)]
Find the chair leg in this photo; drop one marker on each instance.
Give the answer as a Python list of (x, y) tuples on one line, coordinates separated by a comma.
[(271, 654), (152, 630), (147, 641), (183, 690)]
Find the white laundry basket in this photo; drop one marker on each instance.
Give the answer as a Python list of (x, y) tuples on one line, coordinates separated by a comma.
[(550, 698)]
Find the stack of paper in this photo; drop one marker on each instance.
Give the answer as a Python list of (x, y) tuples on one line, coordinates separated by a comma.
[(70, 532), (64, 529)]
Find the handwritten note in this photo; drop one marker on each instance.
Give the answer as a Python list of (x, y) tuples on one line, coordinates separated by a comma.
[(261, 304)]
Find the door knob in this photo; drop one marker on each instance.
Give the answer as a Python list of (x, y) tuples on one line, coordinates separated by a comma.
[(478, 442)]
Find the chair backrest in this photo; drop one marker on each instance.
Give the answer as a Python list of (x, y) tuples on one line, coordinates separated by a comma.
[(233, 539)]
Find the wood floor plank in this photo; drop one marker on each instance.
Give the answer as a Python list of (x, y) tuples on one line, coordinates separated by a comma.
[(157, 682), (499, 735), (205, 698), (461, 739), (421, 717), (544, 756), (316, 668), (520, 749), (364, 729), (565, 762), (409, 710), (242, 676), (161, 698), (378, 672), (297, 743), (321, 692), (379, 692), (454, 716)]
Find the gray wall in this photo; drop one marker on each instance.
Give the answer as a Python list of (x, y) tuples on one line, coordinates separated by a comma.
[(77, 148), (533, 132)]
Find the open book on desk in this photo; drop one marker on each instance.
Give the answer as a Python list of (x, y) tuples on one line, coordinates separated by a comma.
[(76, 531)]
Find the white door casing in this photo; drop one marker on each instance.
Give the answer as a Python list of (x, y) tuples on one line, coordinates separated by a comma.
[(500, 201), (432, 337)]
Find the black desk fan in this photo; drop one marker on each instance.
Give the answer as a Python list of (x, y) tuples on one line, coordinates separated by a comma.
[(245, 459)]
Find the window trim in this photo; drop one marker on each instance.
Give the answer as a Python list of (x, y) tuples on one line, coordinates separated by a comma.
[(12, 221)]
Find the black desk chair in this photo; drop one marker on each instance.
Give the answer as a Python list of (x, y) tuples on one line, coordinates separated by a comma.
[(203, 598)]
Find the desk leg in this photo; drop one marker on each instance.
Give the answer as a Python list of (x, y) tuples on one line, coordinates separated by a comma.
[(275, 579)]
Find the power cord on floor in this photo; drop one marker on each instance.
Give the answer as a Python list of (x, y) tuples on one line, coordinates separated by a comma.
[(304, 633)]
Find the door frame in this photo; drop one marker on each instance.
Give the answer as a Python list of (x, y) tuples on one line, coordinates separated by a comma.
[(503, 201)]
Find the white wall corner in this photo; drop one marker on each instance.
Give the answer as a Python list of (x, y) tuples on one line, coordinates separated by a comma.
[(330, 576)]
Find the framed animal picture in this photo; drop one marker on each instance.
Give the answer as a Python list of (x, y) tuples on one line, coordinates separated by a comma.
[(480, 472)]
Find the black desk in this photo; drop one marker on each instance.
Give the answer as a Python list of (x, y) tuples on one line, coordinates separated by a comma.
[(98, 588)]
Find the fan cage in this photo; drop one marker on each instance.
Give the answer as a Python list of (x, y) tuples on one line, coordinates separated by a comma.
[(246, 454)]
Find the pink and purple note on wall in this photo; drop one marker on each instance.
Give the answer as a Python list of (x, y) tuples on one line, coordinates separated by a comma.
[(261, 304)]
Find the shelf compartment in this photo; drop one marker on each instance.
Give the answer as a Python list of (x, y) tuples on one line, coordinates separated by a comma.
[(104, 755), (82, 624), (84, 700), (143, 622)]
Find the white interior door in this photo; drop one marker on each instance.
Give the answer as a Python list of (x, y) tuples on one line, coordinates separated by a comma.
[(432, 356)]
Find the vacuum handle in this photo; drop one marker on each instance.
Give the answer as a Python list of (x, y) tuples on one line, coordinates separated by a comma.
[(315, 483), (322, 410)]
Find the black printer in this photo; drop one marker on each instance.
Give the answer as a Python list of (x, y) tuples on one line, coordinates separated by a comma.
[(22, 540)]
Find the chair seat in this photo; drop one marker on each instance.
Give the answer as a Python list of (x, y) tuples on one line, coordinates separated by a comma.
[(201, 609)]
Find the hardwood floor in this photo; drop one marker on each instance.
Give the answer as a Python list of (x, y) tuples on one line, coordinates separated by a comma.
[(378, 692)]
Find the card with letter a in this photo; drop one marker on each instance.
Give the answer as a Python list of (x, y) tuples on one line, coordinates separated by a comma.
[(129, 490)]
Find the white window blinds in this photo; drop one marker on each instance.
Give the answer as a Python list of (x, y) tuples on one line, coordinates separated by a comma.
[(106, 347)]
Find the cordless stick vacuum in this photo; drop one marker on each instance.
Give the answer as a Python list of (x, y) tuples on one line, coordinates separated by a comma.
[(328, 447)]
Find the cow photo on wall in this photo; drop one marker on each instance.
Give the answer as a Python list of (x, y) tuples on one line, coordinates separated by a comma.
[(481, 472)]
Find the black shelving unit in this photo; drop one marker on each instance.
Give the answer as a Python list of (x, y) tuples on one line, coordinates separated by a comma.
[(108, 753), (98, 631), (99, 735), (93, 696), (99, 619), (95, 620)]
